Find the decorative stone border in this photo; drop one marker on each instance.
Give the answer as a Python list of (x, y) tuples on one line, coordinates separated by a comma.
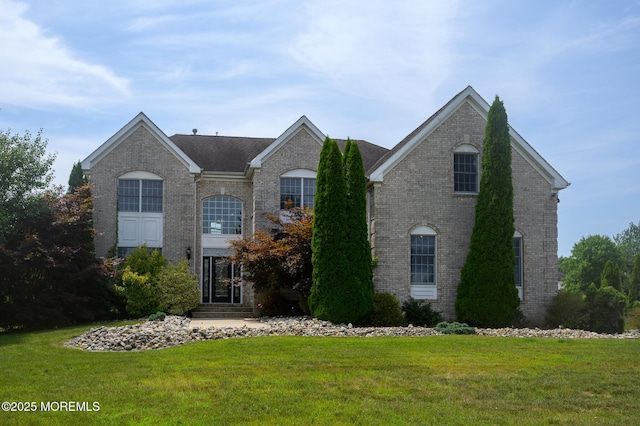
[(174, 331)]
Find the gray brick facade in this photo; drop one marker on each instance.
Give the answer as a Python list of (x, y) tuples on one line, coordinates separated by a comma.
[(410, 186)]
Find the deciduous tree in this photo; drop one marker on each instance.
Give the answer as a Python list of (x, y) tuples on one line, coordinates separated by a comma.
[(49, 275), (279, 260), (25, 171), (587, 261)]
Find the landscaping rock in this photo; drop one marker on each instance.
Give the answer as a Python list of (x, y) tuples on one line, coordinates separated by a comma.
[(175, 330)]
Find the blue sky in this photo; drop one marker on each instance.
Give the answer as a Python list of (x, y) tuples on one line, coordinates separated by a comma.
[(567, 71)]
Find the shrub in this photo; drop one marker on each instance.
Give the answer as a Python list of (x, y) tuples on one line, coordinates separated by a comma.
[(454, 328), (386, 311), (178, 291), (158, 316), (607, 306), (519, 320), (275, 304), (141, 296), (632, 321), (568, 310), (420, 314)]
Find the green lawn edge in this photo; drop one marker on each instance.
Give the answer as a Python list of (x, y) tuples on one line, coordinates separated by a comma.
[(326, 380)]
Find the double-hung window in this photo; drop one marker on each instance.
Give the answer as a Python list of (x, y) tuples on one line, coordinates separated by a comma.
[(423, 263), (465, 169), (518, 269)]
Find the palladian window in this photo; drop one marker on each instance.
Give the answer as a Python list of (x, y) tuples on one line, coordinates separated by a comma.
[(222, 215)]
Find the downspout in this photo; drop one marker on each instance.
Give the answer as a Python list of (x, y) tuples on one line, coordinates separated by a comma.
[(196, 251)]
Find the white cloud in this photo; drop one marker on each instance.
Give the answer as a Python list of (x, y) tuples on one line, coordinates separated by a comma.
[(396, 51), (40, 71)]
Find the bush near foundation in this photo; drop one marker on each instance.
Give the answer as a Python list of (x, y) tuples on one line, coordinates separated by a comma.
[(178, 291), (386, 311), (420, 314)]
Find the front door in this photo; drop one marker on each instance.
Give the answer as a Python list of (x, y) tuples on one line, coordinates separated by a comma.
[(217, 281)]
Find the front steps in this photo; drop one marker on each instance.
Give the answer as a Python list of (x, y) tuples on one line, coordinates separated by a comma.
[(222, 310)]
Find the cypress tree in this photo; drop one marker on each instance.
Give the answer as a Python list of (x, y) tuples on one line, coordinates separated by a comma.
[(329, 298), (634, 285), (611, 276), (487, 296), (359, 250), (76, 178)]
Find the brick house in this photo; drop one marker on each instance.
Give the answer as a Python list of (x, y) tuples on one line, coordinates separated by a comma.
[(189, 195)]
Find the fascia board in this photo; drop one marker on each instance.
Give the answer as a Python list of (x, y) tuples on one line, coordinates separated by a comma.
[(140, 120), (302, 122), (378, 174), (518, 143)]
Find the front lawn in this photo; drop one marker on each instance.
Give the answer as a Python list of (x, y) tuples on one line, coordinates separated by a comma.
[(326, 380)]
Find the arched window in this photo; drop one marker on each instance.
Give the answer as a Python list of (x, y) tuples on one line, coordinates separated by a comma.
[(222, 215), (465, 169), (423, 263), (140, 207), (297, 188), (519, 265)]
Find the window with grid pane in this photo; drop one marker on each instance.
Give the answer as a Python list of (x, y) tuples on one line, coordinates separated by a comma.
[(517, 250), (140, 195), (222, 215), (297, 192), (465, 173), (129, 195), (423, 260), (152, 196)]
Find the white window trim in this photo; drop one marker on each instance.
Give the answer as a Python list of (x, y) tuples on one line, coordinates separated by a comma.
[(299, 174), (145, 227), (521, 286), (425, 291), (140, 175)]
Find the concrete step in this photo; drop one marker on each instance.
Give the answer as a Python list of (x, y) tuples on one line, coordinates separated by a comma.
[(222, 310)]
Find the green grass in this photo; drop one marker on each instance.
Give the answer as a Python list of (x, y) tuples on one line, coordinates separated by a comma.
[(303, 380)]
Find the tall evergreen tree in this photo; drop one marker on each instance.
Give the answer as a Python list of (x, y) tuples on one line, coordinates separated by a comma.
[(330, 297), (76, 178), (611, 276), (634, 284), (487, 295), (359, 250)]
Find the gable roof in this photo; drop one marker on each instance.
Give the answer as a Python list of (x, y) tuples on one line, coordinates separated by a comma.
[(225, 154), (302, 123), (370, 153), (469, 95), (140, 120)]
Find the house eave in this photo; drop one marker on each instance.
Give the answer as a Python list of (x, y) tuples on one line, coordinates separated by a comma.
[(140, 120)]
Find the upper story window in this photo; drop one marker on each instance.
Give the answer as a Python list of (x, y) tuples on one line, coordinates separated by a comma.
[(465, 169), (222, 215), (297, 189), (140, 195)]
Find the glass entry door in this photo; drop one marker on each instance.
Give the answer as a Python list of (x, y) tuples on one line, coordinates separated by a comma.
[(217, 281)]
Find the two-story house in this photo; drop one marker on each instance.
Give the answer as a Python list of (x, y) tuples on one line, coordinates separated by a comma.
[(189, 195)]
